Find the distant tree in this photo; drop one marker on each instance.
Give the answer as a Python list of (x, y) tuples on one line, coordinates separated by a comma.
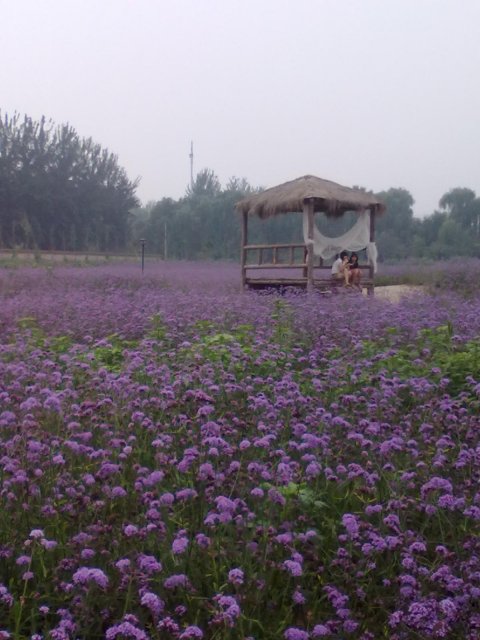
[(162, 226), (395, 230), (206, 183), (452, 240), (200, 225), (240, 186), (462, 205), (58, 191), (418, 247), (138, 224), (430, 227)]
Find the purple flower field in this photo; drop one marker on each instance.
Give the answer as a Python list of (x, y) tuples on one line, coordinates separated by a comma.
[(182, 461)]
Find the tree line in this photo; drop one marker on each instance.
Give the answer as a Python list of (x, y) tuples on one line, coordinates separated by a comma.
[(59, 191), (203, 224)]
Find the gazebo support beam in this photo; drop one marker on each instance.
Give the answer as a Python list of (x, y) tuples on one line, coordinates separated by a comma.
[(309, 210), (371, 290), (243, 251)]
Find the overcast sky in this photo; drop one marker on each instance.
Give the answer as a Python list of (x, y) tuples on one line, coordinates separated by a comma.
[(378, 93)]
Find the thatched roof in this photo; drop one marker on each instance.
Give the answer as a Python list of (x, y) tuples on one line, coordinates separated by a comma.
[(328, 197)]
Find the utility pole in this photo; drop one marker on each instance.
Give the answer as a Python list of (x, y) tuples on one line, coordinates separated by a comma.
[(142, 242), (191, 164), (165, 241)]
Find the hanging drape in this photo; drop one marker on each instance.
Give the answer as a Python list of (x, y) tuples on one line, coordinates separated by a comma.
[(355, 239)]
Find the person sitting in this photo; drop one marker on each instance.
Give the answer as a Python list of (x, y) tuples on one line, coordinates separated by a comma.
[(354, 270), (340, 268)]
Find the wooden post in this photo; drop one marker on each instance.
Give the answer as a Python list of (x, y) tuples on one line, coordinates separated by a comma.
[(308, 209), (243, 251), (371, 288)]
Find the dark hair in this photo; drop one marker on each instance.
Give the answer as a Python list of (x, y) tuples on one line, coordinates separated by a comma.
[(352, 255), (343, 254)]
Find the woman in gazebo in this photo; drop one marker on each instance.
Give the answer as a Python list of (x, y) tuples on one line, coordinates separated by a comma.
[(355, 273), (341, 268)]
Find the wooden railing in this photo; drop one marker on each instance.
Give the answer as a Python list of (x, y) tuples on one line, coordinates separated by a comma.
[(282, 256)]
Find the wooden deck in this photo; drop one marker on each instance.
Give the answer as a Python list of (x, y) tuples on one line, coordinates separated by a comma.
[(319, 285)]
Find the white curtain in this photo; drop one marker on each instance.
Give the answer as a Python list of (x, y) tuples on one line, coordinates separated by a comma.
[(356, 239)]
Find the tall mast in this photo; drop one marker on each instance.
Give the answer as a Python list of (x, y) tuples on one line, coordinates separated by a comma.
[(191, 164)]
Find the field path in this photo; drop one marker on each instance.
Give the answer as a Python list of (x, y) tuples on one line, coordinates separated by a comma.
[(394, 293)]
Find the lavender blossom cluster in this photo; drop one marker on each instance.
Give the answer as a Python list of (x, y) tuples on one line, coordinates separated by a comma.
[(179, 460)]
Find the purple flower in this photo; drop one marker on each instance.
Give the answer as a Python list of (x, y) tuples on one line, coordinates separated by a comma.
[(123, 564), (417, 547), (293, 633), (152, 602), (206, 471), (169, 625), (236, 576), (225, 504), (149, 564), (392, 521), (350, 626), (186, 494), (276, 497), (472, 512), (350, 523), (294, 568), (202, 540), (191, 632), (230, 610), (167, 499), (448, 608), (298, 597), (436, 484), (179, 545), (36, 534), (88, 575), (127, 630), (49, 544), (5, 597), (130, 530), (177, 580), (118, 492)]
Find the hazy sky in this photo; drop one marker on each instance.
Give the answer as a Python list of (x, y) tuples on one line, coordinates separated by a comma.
[(380, 93)]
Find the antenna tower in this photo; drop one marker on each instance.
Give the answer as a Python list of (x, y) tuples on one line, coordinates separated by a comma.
[(191, 164)]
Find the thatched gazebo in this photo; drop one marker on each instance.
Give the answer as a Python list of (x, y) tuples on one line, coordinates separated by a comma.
[(307, 195)]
